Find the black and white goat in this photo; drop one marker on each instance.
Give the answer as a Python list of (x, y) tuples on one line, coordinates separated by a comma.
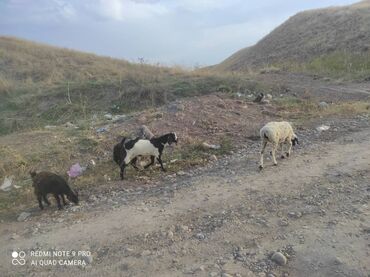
[(127, 151)]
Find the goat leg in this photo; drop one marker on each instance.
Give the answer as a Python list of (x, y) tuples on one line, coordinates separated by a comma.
[(160, 162), (152, 160), (123, 165), (46, 200), (133, 163), (40, 202), (64, 200), (58, 201)]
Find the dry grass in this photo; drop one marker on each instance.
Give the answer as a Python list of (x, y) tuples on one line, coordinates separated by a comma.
[(42, 85), (305, 109), (312, 38)]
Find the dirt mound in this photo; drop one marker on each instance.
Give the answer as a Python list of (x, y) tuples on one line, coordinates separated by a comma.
[(308, 35)]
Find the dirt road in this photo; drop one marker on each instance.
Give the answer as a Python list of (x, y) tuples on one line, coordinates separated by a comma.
[(226, 218)]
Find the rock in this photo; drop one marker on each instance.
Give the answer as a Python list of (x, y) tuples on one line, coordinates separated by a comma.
[(226, 275), (7, 184), (338, 261), (200, 236), (213, 158), (175, 107), (102, 130), (184, 228), (144, 132), (170, 235), (75, 208), (201, 268), (295, 214), (181, 173), (146, 253), (144, 209), (14, 236), (322, 128), (269, 96), (71, 125), (323, 105), (119, 118), (108, 116), (88, 259), (92, 198), (210, 146), (279, 258), (23, 216)]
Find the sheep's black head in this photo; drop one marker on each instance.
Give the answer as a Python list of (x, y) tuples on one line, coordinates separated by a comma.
[(172, 138), (295, 140), (33, 173), (73, 197)]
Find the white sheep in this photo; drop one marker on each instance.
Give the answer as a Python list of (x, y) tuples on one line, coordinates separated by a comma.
[(277, 133)]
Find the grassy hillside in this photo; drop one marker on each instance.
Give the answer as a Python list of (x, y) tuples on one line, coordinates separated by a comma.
[(315, 39), (41, 85)]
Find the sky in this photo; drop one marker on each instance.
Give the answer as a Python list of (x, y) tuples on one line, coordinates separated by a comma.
[(170, 32)]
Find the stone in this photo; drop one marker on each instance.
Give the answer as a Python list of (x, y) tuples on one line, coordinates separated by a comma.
[(213, 158), (14, 236), (181, 173), (279, 258), (146, 253), (23, 216), (108, 116), (170, 234), (200, 236), (88, 259), (323, 105)]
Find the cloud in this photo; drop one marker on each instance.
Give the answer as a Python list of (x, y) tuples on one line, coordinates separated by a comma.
[(124, 10), (166, 31)]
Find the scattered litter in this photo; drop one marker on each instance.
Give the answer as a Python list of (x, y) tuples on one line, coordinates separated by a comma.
[(7, 184), (323, 128), (119, 118), (239, 94), (92, 163), (211, 146), (102, 130), (75, 170), (50, 127), (71, 125)]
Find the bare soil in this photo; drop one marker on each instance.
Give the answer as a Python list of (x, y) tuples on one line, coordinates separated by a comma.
[(225, 218)]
